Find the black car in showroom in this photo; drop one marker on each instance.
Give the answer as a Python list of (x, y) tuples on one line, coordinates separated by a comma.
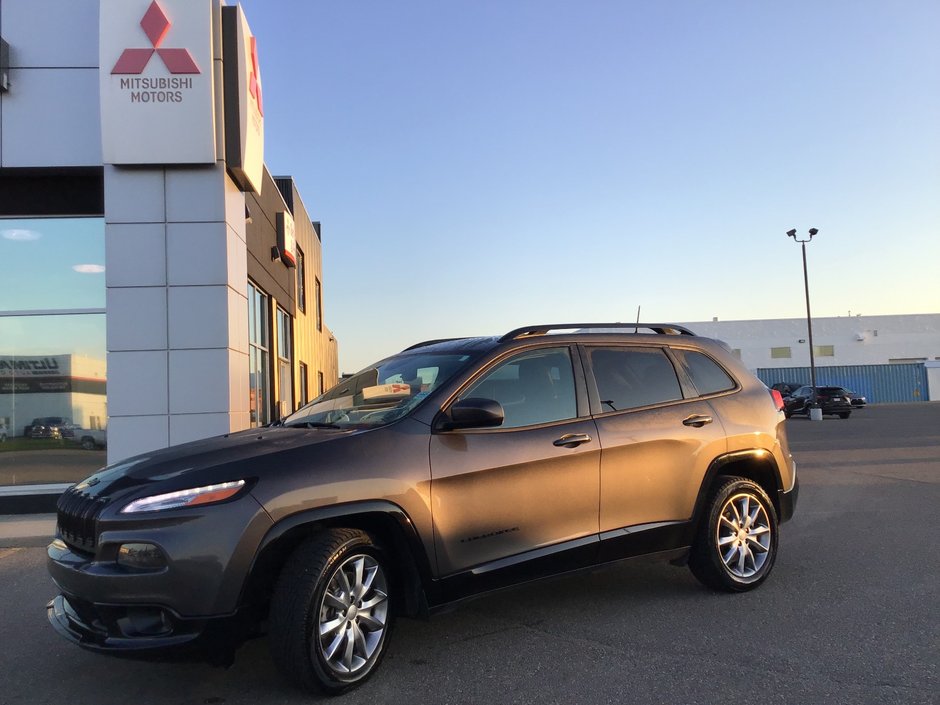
[(833, 401)]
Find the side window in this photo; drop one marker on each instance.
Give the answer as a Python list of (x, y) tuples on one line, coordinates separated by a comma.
[(631, 377), (533, 387), (707, 375)]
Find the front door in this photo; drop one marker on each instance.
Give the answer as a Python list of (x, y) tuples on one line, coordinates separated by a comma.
[(503, 492)]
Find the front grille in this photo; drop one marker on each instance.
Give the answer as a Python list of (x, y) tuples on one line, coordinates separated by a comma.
[(78, 519)]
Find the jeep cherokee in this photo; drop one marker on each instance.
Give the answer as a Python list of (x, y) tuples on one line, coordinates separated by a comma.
[(452, 468)]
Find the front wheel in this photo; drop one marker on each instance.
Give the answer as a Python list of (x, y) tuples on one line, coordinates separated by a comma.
[(331, 611), (844, 414), (736, 544)]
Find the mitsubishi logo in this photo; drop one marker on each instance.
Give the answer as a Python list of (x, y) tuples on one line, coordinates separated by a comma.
[(155, 25), (254, 84)]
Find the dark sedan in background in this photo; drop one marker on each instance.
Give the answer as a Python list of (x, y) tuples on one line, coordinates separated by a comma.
[(834, 401)]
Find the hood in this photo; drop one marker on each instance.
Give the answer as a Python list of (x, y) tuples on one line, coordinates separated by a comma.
[(219, 459)]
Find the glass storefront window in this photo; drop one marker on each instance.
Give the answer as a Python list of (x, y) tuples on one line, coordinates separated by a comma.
[(53, 374), (52, 263), (259, 346), (285, 381), (53, 402)]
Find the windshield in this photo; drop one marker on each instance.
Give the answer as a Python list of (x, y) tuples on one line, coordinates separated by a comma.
[(380, 394)]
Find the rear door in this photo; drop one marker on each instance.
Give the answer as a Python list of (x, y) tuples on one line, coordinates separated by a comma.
[(658, 437)]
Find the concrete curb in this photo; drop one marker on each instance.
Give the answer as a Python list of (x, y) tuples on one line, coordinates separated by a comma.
[(27, 530)]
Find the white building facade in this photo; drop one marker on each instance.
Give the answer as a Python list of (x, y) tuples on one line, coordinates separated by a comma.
[(137, 227), (912, 339), (855, 340)]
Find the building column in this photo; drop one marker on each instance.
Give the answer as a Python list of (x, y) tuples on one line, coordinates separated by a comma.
[(177, 306)]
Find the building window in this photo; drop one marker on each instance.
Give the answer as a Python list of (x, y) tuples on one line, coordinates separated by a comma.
[(319, 307), (52, 348), (284, 367), (320, 386), (301, 282), (259, 348), (780, 352), (824, 350), (304, 394)]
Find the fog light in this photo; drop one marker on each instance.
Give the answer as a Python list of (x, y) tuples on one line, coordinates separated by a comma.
[(144, 621), (141, 556)]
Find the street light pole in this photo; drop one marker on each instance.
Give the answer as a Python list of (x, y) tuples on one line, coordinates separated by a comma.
[(809, 316)]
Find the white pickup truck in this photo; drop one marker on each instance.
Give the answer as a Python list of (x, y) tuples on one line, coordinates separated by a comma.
[(91, 439)]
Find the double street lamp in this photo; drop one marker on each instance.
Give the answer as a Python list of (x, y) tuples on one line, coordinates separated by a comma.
[(809, 317)]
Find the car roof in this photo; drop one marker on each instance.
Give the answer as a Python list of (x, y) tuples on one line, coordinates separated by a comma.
[(564, 332)]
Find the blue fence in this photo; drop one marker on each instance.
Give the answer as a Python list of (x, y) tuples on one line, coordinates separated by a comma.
[(880, 384)]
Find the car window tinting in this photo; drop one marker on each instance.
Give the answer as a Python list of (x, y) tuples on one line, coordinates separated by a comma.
[(382, 393), (534, 387), (627, 378), (707, 375)]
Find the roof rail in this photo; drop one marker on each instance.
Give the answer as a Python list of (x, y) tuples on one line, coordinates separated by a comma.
[(425, 343), (659, 328)]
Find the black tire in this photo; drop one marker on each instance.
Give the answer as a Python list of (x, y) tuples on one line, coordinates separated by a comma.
[(88, 443), (845, 414), (300, 605), (729, 559)]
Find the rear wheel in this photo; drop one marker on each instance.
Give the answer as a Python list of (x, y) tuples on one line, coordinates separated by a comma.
[(844, 414), (331, 611), (88, 443), (736, 544)]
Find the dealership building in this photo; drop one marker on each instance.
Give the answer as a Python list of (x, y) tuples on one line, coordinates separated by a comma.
[(158, 283)]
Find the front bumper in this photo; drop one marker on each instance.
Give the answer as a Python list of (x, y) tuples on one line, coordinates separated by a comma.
[(149, 632)]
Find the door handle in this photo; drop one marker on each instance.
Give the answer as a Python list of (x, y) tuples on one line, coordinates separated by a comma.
[(697, 420), (572, 440)]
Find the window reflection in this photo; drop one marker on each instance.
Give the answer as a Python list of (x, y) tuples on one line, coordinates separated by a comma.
[(52, 263), (53, 402)]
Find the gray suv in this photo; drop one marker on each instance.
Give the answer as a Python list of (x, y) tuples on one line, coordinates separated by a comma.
[(452, 468)]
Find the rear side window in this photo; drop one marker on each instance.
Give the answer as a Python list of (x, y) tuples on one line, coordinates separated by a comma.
[(630, 377), (707, 375)]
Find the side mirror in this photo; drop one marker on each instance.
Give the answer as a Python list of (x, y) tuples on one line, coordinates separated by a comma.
[(472, 412)]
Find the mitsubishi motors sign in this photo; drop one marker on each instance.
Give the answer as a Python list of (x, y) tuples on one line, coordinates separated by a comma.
[(156, 80), (244, 104)]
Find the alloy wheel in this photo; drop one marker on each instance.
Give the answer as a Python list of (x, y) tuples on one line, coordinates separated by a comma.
[(353, 615), (744, 535)]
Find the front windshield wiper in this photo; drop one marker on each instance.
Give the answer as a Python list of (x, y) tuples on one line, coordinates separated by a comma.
[(311, 424)]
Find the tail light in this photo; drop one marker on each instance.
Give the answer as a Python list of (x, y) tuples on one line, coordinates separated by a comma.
[(778, 399)]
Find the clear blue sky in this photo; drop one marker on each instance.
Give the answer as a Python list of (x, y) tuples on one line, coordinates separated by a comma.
[(482, 165)]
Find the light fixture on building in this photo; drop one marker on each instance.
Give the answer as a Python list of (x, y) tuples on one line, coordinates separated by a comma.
[(275, 253), (4, 66)]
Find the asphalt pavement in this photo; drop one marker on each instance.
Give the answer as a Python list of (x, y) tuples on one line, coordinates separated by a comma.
[(849, 615)]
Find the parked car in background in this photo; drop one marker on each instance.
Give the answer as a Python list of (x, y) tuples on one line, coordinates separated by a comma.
[(857, 400), (90, 438), (449, 469), (50, 427), (786, 388), (832, 400)]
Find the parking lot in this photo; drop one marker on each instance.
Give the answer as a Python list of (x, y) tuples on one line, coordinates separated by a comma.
[(850, 614)]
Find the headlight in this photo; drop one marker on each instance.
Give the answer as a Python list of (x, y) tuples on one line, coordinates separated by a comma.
[(185, 498)]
